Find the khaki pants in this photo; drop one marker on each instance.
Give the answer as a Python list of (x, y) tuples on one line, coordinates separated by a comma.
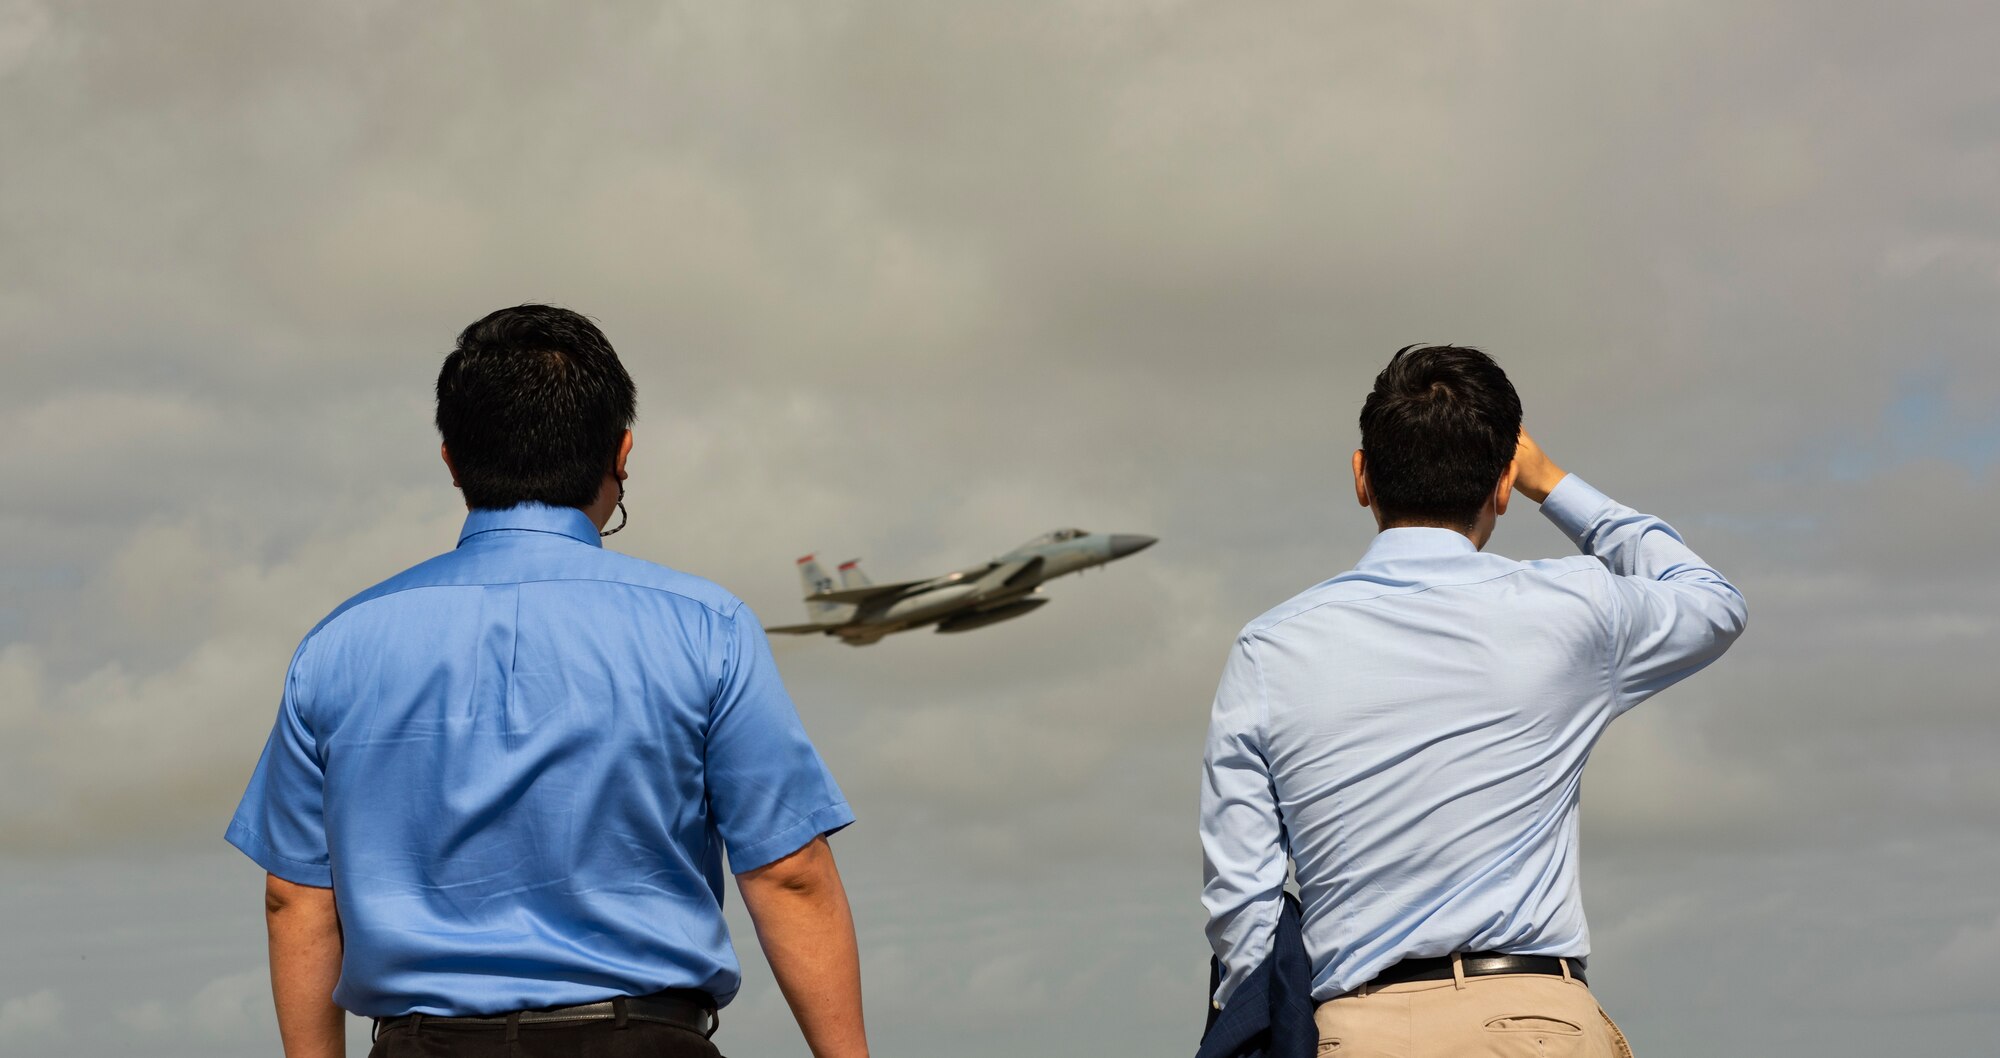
[(1505, 1016)]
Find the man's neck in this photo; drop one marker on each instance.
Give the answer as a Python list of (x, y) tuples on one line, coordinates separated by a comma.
[(1479, 532)]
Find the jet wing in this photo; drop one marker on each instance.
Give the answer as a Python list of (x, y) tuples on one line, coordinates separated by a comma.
[(798, 630), (863, 594)]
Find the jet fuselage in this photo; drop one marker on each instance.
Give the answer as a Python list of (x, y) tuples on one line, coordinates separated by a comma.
[(860, 613)]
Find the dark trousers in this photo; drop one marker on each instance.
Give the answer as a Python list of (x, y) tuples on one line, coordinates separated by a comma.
[(580, 1039)]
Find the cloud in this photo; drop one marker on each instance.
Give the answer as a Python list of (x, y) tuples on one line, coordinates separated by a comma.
[(24, 27), (917, 282), (230, 1006), (1974, 946), (150, 1018), (36, 1014), (120, 751), (233, 1007)]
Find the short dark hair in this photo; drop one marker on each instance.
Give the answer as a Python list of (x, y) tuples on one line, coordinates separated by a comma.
[(532, 405), (1438, 430)]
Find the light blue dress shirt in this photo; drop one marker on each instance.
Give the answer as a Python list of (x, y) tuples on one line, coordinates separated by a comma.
[(1412, 735), (519, 764)]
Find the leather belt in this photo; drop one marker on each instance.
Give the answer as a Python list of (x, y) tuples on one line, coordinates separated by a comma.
[(1476, 964), (682, 1008)]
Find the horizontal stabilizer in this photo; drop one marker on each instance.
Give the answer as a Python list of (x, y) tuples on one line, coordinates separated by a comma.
[(798, 630), (863, 594)]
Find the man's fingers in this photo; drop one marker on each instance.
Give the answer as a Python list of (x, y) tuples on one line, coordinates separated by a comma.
[(1526, 450), (1534, 474)]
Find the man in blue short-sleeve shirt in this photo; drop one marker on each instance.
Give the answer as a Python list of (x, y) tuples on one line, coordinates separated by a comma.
[(502, 784)]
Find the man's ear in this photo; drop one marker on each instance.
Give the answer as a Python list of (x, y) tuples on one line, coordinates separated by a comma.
[(624, 449), (1361, 480), (1504, 491), (444, 452)]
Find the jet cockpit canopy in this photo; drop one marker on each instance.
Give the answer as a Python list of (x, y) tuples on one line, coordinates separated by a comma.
[(1057, 536)]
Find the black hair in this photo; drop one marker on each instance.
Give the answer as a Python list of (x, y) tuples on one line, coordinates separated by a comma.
[(1438, 430), (532, 405)]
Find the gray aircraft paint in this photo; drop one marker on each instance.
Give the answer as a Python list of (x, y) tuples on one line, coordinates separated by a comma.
[(860, 612), (816, 582)]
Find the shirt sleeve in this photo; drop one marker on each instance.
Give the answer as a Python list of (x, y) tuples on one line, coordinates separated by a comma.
[(1242, 843), (767, 787), (1672, 612), (281, 822)]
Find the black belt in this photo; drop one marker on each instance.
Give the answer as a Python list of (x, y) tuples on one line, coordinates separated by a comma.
[(681, 1008), (1476, 964)]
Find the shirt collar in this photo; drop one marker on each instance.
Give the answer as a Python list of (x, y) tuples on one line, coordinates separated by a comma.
[(1416, 541), (532, 518)]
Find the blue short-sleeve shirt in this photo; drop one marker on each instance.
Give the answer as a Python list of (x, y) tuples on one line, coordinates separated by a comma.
[(520, 765)]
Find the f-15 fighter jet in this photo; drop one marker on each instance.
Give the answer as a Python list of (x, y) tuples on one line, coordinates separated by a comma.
[(860, 612)]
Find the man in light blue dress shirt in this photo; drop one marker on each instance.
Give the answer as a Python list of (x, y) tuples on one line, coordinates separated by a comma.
[(496, 804), (1410, 735)]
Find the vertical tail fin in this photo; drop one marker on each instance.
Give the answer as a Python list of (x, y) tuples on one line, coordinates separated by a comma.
[(851, 575), (815, 581)]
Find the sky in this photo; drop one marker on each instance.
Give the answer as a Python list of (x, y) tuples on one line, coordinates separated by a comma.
[(916, 282)]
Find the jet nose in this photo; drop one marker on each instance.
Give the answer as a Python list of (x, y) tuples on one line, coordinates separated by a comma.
[(1123, 544)]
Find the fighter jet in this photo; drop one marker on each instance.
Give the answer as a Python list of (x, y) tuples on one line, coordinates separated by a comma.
[(859, 612)]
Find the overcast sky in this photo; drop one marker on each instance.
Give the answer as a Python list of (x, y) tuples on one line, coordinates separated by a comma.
[(917, 281)]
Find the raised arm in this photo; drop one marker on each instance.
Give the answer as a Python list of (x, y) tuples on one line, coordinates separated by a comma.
[(1673, 613), (1243, 858), (807, 932)]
